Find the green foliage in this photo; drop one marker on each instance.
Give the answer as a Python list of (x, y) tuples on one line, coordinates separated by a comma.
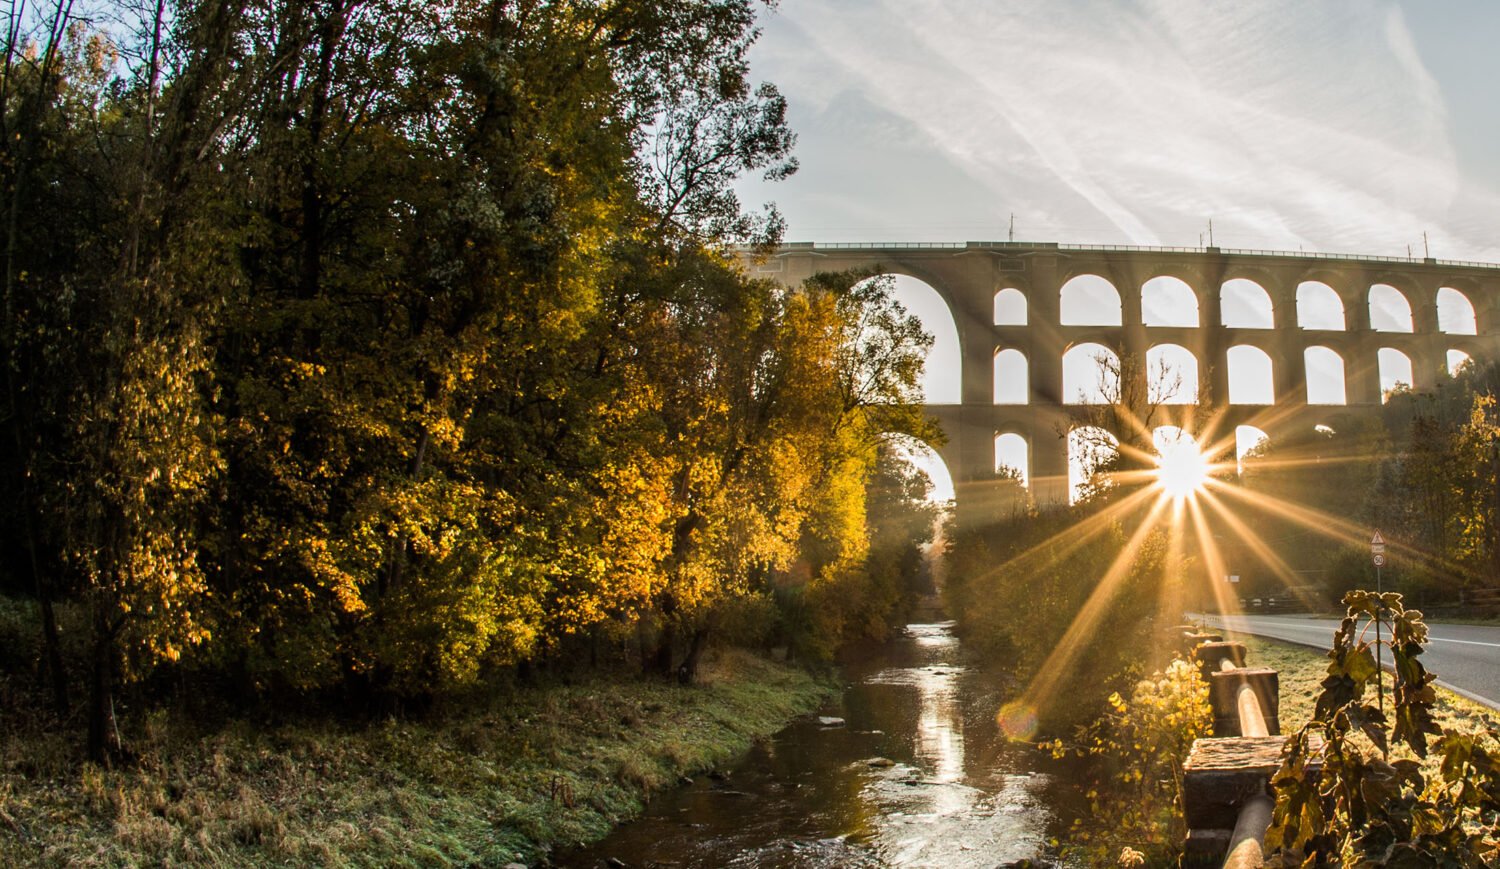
[(1135, 753), (365, 348), (1342, 801), (1040, 563), (1424, 470)]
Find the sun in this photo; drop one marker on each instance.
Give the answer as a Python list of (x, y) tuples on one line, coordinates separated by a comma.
[(1181, 470)]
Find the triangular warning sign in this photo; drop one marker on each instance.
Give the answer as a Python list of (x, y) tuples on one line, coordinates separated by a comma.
[(1377, 540)]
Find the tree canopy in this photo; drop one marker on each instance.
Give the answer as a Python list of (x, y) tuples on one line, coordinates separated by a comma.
[(371, 345)]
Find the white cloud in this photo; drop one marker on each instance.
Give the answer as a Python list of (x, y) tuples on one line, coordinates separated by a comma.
[(1290, 124)]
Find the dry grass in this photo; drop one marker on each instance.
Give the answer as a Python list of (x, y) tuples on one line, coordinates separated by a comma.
[(487, 781), (1301, 670)]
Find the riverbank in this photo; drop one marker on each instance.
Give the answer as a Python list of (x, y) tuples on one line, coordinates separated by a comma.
[(918, 775), (489, 781)]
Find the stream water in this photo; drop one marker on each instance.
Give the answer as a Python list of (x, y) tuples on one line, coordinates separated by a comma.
[(917, 775)]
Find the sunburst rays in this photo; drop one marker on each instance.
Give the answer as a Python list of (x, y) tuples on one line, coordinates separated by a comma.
[(1190, 490)]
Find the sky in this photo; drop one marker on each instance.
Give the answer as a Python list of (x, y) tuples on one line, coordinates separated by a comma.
[(1331, 125), (1344, 126)]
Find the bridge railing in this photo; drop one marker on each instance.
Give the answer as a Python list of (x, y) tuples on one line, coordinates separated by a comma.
[(1226, 778), (1132, 248)]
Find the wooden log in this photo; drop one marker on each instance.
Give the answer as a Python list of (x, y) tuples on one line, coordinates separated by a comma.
[(1221, 774), (1248, 843)]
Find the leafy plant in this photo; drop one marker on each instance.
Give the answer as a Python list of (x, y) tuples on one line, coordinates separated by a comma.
[(1346, 803), (1136, 750)]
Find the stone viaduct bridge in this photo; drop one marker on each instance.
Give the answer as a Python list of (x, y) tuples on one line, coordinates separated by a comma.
[(1011, 299)]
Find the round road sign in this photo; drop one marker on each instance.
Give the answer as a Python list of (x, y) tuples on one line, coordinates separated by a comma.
[(1380, 561)]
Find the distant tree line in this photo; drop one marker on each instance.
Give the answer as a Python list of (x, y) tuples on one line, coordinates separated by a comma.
[(1425, 471), (365, 347)]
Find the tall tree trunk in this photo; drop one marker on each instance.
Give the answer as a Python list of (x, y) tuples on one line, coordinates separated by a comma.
[(132, 251), (26, 132), (662, 663), (56, 674), (331, 34), (103, 738), (52, 648), (396, 562), (687, 673)]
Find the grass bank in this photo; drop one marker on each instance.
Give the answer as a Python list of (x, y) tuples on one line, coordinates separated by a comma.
[(490, 781)]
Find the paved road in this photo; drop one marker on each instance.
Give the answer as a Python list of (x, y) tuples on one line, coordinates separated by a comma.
[(1466, 658)]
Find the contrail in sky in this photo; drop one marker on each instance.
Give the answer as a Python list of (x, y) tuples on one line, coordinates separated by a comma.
[(1290, 124)]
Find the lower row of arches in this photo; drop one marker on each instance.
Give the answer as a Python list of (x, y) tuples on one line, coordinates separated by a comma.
[(1090, 447), (1092, 374)]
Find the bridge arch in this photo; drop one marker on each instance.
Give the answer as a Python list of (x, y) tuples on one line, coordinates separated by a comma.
[(1090, 374), (1089, 300), (1455, 313), (1326, 383), (1167, 300), (1013, 451), (1395, 371), (1012, 378), (1245, 304), (1455, 360), (1347, 344), (942, 377), (1251, 375), (929, 459), (1246, 439), (1171, 375), (1390, 309), (969, 277), (1011, 307), (1089, 448), (1319, 307), (1480, 296)]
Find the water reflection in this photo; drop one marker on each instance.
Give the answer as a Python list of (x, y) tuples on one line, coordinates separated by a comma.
[(918, 776), (929, 813)]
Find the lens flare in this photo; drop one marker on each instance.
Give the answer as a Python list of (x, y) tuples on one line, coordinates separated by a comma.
[(1017, 720), (1181, 470)]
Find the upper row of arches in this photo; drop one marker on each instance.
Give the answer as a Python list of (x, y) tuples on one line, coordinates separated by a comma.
[(1090, 300)]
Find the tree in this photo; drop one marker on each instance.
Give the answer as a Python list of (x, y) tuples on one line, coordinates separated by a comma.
[(1116, 436), (371, 346), (107, 322)]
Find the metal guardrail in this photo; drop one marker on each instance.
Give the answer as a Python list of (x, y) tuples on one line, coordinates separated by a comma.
[(877, 245), (1464, 263), (1134, 248), (1484, 598)]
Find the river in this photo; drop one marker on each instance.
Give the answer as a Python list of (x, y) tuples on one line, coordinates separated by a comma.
[(916, 775)]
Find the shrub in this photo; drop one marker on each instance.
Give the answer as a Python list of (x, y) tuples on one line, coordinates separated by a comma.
[(1136, 752), (1359, 807)]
